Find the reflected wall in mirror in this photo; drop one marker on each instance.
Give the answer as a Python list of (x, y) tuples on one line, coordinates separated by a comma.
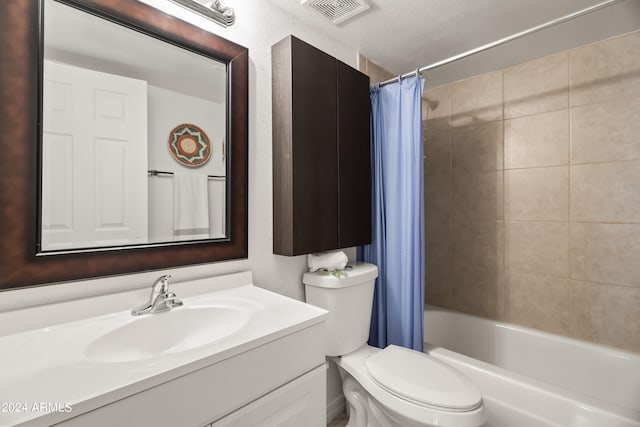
[(110, 101), (122, 98)]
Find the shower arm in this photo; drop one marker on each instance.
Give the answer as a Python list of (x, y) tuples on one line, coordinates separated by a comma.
[(502, 41)]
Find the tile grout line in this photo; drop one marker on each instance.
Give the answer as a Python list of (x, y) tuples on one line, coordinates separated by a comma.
[(601, 162), (506, 288), (604, 284), (553, 221), (538, 113), (599, 102), (452, 284), (596, 163), (553, 110), (569, 228), (558, 277)]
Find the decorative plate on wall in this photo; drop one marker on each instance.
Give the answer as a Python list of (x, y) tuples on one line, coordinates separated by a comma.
[(189, 145)]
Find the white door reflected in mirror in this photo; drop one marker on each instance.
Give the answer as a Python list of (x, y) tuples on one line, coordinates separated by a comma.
[(94, 149)]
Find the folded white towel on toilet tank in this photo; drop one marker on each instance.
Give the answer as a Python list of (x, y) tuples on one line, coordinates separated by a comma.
[(336, 260)]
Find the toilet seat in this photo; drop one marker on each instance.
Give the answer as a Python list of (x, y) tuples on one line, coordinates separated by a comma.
[(422, 380), (395, 405)]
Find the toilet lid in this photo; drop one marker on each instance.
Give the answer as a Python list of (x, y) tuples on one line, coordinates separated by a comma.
[(420, 379)]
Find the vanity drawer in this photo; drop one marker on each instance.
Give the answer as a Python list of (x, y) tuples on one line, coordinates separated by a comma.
[(198, 398), (302, 402)]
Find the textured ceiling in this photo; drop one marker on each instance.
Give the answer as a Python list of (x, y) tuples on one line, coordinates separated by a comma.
[(402, 35)]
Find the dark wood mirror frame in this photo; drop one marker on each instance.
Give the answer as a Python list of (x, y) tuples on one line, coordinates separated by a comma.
[(20, 88)]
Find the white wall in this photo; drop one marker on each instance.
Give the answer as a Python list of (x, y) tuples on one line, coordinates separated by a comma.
[(166, 110), (258, 26)]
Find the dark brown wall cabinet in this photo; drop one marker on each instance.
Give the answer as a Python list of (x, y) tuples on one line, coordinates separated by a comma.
[(321, 155)]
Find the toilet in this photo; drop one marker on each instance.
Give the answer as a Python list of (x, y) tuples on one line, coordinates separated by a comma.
[(392, 387)]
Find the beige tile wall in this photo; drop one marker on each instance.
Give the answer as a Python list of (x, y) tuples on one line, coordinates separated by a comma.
[(532, 192), (375, 72)]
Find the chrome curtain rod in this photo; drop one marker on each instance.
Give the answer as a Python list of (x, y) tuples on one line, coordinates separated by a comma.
[(154, 172), (502, 41)]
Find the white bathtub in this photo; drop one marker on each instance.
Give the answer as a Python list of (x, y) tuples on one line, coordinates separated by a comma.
[(530, 378)]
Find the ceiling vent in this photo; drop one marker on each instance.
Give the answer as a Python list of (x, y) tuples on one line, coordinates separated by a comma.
[(337, 11)]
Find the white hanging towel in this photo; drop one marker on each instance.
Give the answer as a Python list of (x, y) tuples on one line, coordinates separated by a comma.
[(336, 260), (190, 206)]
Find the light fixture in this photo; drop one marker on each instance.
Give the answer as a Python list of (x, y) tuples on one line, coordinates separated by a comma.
[(213, 10)]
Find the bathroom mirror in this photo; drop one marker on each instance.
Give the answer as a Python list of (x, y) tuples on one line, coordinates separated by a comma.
[(120, 129), (125, 141)]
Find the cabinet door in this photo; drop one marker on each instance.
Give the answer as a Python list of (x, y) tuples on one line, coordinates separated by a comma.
[(322, 191), (354, 170), (315, 152), (298, 403)]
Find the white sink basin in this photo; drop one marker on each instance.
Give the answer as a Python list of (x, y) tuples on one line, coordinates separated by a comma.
[(87, 361), (155, 335)]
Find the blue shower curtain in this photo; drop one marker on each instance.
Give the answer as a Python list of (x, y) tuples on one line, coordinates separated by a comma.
[(397, 244)]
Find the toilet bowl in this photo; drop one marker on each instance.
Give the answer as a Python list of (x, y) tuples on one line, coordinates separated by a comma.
[(387, 387)]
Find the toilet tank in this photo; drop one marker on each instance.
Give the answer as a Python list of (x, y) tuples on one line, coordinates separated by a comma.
[(348, 299)]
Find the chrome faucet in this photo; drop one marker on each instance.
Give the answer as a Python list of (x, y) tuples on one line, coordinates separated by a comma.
[(161, 299)]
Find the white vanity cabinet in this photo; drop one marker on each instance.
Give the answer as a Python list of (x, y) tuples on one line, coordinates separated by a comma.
[(279, 383), (233, 355)]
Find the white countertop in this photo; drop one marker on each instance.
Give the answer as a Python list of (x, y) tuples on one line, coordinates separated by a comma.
[(49, 365)]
